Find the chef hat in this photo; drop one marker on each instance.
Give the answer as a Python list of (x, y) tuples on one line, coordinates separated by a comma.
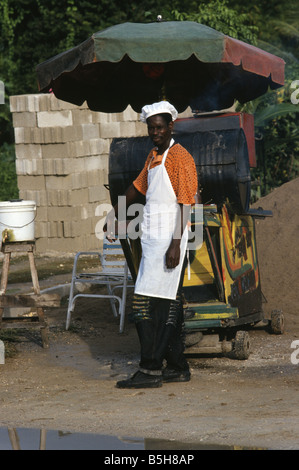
[(158, 108)]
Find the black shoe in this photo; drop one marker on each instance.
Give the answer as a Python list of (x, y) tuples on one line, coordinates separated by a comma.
[(141, 380), (171, 375)]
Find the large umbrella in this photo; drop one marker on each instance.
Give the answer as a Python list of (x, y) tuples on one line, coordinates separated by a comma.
[(185, 62)]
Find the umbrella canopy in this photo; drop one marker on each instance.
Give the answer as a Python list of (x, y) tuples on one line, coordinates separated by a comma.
[(185, 62)]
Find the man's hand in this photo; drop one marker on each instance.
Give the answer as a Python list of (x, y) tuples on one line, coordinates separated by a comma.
[(173, 254), (110, 229)]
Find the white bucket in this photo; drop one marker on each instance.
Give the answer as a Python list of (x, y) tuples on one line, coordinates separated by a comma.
[(17, 220)]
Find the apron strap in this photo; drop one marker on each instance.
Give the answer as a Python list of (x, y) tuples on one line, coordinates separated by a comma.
[(166, 153)]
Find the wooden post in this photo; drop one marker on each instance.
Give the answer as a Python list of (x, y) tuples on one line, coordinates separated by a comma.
[(37, 301)]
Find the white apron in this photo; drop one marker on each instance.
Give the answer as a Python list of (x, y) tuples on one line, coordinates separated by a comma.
[(159, 220)]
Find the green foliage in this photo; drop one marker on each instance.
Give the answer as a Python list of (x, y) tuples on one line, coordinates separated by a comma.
[(276, 117), (277, 22), (32, 31), (8, 177), (277, 144), (218, 15)]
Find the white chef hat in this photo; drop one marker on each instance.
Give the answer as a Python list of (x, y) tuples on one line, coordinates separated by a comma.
[(158, 108)]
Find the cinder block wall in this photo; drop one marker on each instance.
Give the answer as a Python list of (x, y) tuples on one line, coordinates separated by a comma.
[(62, 155)]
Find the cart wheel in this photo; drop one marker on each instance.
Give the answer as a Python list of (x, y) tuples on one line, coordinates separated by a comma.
[(277, 322), (241, 345)]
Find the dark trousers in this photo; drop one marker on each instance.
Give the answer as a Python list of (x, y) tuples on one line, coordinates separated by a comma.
[(159, 323)]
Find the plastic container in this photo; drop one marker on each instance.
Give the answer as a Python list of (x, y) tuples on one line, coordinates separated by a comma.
[(17, 220)]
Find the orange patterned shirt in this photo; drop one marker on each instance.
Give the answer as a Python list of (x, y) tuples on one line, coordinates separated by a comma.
[(181, 170)]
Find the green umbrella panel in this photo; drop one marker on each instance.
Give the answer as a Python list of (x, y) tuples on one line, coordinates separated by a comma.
[(185, 62)]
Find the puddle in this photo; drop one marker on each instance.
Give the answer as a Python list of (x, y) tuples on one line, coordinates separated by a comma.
[(41, 439)]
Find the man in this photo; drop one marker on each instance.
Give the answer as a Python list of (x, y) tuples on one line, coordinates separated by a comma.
[(169, 183)]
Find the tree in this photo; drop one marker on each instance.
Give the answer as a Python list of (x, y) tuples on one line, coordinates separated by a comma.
[(32, 31), (218, 15)]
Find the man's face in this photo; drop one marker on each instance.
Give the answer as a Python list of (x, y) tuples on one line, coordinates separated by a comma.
[(159, 131)]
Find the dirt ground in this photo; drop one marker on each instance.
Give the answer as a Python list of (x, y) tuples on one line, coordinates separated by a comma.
[(248, 404)]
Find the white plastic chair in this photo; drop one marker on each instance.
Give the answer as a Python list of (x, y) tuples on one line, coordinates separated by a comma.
[(114, 275)]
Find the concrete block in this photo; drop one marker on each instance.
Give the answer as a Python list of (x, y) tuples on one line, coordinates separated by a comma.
[(59, 197), (29, 167), (31, 182), (141, 129), (60, 166), (29, 135), (20, 167), (77, 228), (88, 211), (54, 104), (58, 182), (41, 214), (85, 212), (33, 103), (186, 114), (82, 116), (130, 115), (40, 197), (72, 134), (67, 228), (98, 117), (25, 119), (23, 103), (79, 197), (54, 119), (28, 151), (74, 165), (116, 117), (48, 167), (95, 194), (96, 162), (36, 136), (55, 229), (90, 131), (19, 135), (63, 213), (78, 149), (44, 102), (110, 130), (18, 104), (41, 230), (128, 129), (79, 180), (97, 178), (52, 135), (99, 146), (54, 150)]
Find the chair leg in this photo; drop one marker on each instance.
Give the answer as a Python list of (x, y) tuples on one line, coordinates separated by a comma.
[(112, 297), (72, 289), (70, 306), (112, 301), (68, 316)]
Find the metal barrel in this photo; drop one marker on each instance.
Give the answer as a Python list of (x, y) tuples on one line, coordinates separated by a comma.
[(221, 159)]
